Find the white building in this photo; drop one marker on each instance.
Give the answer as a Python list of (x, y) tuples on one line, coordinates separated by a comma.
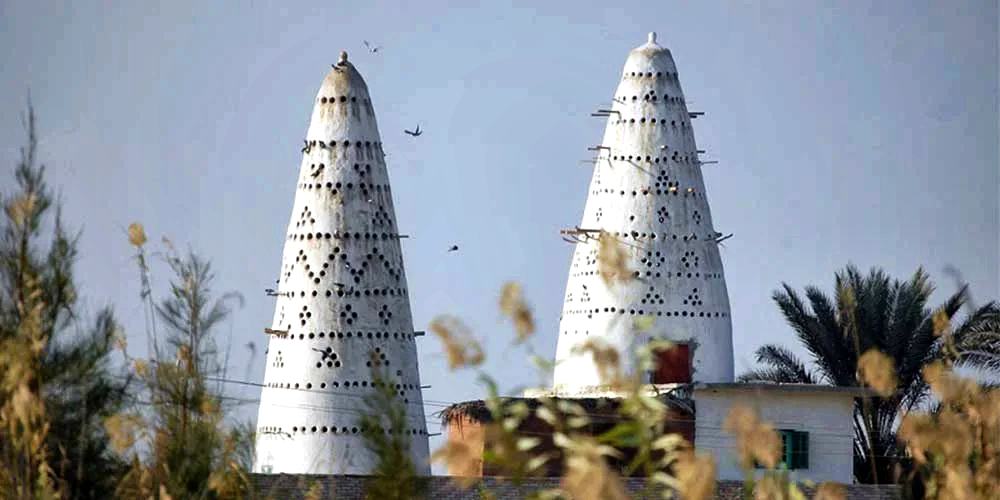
[(342, 305), (816, 423), (647, 190)]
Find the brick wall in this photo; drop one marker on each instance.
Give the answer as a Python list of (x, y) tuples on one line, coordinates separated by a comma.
[(294, 487)]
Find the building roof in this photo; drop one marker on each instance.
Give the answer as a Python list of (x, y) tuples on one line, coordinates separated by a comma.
[(477, 411), (775, 387)]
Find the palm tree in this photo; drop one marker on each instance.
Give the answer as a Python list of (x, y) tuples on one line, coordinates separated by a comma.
[(876, 312)]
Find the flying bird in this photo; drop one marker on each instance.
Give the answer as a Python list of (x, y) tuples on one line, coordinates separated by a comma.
[(324, 353), (318, 170), (372, 49), (414, 133), (270, 292), (307, 147), (454, 248)]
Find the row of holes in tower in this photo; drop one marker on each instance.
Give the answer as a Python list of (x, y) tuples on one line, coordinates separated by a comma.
[(683, 125), (317, 169), (327, 358), (341, 99), (661, 213), (335, 188), (636, 235), (400, 389), (350, 335), (655, 274), (353, 104), (642, 312), (343, 236), (339, 257), (651, 96), (279, 362), (368, 150), (676, 157), (652, 297), (349, 292), (667, 190), (342, 430), (669, 75)]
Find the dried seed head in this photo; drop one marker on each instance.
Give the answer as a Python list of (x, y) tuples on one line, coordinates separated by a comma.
[(756, 440), (21, 209), (513, 305), (607, 359), (695, 475), (831, 491), (120, 340), (612, 260), (141, 368), (462, 461), (877, 370), (941, 323), (459, 345), (136, 234), (587, 476), (122, 431)]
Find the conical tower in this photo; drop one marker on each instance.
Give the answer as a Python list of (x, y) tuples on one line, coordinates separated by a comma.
[(342, 301), (647, 190)]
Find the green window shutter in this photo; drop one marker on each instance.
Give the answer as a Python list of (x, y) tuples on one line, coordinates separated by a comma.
[(785, 460), (794, 450), (800, 450)]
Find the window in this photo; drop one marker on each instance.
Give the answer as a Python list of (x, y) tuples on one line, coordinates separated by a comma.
[(794, 449), (673, 366)]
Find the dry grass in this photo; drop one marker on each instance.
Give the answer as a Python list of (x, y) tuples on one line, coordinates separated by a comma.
[(586, 475), (612, 260), (136, 234), (607, 359), (878, 371), (24, 424), (831, 491), (695, 475), (460, 346), (513, 305), (756, 440), (957, 448)]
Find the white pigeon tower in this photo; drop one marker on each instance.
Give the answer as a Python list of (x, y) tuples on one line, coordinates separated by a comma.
[(342, 301), (647, 191)]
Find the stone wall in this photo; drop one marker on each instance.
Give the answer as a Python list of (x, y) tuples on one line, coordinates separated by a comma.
[(294, 487)]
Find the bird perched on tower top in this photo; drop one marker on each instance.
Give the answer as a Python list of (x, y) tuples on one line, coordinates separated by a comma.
[(340, 61)]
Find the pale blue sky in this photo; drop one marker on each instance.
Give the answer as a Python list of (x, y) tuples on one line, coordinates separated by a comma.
[(865, 132)]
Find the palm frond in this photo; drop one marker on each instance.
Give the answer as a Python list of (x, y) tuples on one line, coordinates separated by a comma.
[(785, 360)]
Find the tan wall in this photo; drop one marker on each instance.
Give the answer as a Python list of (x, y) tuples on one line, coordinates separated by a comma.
[(472, 434)]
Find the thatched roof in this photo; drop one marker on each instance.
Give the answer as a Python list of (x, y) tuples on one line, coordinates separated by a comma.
[(477, 410)]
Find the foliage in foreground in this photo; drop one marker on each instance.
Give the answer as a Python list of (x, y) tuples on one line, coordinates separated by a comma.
[(179, 443), (57, 386), (383, 428)]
